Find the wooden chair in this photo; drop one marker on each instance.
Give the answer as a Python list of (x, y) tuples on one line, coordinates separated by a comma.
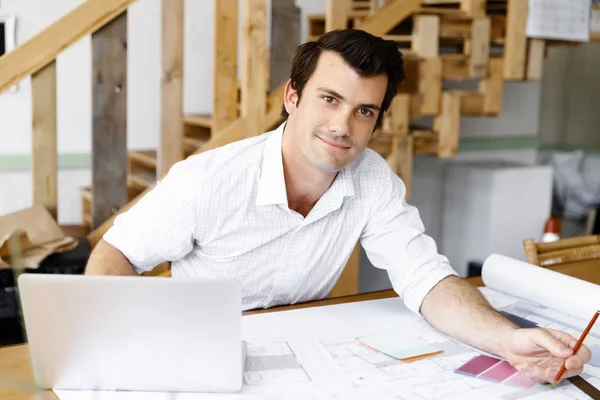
[(563, 251)]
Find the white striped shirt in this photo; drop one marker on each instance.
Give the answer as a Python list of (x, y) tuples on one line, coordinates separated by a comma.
[(224, 214)]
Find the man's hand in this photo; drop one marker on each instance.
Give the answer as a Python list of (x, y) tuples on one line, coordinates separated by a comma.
[(540, 353)]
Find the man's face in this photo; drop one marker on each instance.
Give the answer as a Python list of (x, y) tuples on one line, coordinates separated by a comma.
[(334, 120)]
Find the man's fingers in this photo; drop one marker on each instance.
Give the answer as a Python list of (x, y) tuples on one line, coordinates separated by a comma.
[(541, 374), (554, 342), (577, 360), (535, 373), (563, 337), (582, 356)]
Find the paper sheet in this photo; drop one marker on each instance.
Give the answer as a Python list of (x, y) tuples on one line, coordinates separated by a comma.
[(541, 286), (559, 19)]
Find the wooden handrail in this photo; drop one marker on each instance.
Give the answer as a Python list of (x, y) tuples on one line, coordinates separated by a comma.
[(43, 48)]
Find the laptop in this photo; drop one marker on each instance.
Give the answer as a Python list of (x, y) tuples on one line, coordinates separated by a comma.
[(133, 333)]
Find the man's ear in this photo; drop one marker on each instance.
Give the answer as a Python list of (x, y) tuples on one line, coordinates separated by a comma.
[(290, 98)]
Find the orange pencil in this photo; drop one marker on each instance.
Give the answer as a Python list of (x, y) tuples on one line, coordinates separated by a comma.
[(577, 345)]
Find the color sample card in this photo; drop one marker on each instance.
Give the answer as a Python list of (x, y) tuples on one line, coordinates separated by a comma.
[(402, 348), (496, 370)]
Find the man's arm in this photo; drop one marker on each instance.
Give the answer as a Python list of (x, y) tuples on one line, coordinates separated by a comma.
[(106, 260), (458, 309)]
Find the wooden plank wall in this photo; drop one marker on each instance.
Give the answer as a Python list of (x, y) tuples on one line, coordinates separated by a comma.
[(171, 143), (109, 126), (43, 138)]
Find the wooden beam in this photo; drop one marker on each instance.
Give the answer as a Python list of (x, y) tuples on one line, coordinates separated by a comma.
[(474, 8), (336, 15), (43, 138), (447, 125), (479, 47), (535, 59), (492, 87), (43, 48), (515, 46), (430, 76), (225, 94), (426, 143), (390, 15), (109, 126), (411, 69), (426, 39), (400, 115), (347, 283), (455, 67), (274, 104), (402, 148), (255, 75), (235, 131), (171, 137)]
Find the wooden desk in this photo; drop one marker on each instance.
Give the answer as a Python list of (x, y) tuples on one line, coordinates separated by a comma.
[(15, 370)]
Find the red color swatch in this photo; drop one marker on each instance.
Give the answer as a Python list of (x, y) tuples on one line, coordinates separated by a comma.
[(478, 364)]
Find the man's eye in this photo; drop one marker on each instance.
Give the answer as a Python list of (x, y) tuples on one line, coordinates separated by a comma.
[(365, 111), (328, 99)]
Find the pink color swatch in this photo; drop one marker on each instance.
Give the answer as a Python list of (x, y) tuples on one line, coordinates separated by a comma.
[(478, 364), (499, 372), (520, 380), (496, 370)]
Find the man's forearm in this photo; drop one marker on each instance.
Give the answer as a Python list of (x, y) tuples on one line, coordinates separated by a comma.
[(106, 260), (458, 309)]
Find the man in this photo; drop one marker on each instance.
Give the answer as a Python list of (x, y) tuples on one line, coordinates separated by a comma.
[(282, 212)]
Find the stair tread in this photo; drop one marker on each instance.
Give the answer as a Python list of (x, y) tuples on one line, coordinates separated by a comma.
[(198, 120), (145, 157), (146, 176)]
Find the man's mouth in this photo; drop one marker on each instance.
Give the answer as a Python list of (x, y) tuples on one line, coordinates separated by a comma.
[(333, 144)]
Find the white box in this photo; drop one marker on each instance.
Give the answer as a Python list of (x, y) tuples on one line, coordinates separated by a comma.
[(491, 207)]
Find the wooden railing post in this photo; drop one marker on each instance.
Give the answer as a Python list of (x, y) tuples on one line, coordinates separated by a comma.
[(255, 77), (336, 16), (43, 138), (109, 127), (225, 92), (171, 143)]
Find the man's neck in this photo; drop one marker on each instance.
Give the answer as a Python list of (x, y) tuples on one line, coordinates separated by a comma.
[(303, 182)]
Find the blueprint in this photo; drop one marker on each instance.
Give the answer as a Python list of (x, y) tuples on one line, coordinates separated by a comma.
[(330, 352), (340, 366)]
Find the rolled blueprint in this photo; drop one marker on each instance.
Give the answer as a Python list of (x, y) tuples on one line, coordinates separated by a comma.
[(542, 286)]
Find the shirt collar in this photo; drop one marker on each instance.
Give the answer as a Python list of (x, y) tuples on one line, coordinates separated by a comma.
[(271, 185)]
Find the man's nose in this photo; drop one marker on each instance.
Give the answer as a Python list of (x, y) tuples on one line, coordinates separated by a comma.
[(339, 125)]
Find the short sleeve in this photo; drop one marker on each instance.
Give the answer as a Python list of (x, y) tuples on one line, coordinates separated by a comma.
[(394, 239), (161, 226)]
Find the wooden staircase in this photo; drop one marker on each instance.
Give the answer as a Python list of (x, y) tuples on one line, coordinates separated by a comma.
[(142, 164), (442, 42)]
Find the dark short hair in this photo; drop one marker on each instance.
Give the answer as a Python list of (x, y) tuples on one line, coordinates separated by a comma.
[(367, 54)]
